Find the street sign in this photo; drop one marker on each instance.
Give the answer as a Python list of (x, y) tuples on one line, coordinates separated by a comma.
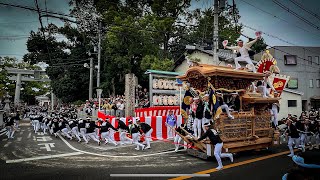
[(179, 82)]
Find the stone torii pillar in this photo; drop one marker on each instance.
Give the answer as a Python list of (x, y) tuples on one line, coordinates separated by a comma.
[(18, 89)]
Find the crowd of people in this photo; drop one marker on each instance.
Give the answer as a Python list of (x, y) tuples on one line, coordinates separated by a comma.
[(302, 131), (67, 124)]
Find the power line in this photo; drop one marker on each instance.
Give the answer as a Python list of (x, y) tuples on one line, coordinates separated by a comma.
[(303, 8), (273, 36), (274, 16), (296, 15), (33, 9), (273, 47)]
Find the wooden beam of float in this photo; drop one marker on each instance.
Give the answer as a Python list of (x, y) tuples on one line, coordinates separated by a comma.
[(219, 77)]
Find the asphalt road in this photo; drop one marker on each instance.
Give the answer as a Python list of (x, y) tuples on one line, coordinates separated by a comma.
[(26, 156)]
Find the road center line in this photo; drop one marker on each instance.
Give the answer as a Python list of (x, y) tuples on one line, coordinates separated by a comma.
[(235, 165), (43, 157), (104, 155)]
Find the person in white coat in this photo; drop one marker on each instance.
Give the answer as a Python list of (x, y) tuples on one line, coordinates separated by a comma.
[(243, 49)]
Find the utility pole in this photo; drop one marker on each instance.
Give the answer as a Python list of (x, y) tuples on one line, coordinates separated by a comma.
[(91, 78), (99, 56), (215, 32)]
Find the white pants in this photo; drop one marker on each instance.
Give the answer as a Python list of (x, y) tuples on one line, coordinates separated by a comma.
[(93, 136), (65, 133), (290, 144), (148, 137), (10, 131), (218, 155), (304, 139), (197, 127), (205, 120), (83, 134), (170, 132), (45, 127), (244, 59), (75, 132), (36, 126), (226, 108), (135, 139), (107, 138), (124, 139), (177, 140), (274, 117)]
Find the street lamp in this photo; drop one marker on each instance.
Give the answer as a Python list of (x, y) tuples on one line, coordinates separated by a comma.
[(99, 91)]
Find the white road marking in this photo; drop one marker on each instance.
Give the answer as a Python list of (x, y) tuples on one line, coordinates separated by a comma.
[(44, 157), (29, 135), (47, 146), (19, 138), (21, 133), (4, 139), (104, 155), (7, 144)]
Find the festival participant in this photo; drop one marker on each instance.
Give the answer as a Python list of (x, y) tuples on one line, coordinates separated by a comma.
[(73, 124), (215, 139), (207, 112), (177, 138), (262, 86), (191, 113), (244, 54), (82, 128), (274, 113), (91, 131), (234, 102), (9, 123), (145, 130), (134, 132), (63, 128), (124, 129), (171, 120), (223, 105), (293, 135), (105, 132), (198, 117)]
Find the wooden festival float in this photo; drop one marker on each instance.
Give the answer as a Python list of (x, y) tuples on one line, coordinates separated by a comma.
[(251, 128)]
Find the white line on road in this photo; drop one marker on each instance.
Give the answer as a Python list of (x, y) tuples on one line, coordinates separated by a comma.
[(19, 138), (104, 155), (43, 157), (8, 143), (29, 135)]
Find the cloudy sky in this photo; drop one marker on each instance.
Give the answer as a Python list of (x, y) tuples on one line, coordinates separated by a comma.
[(264, 15)]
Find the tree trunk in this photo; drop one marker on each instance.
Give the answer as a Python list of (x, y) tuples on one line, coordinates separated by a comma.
[(113, 87)]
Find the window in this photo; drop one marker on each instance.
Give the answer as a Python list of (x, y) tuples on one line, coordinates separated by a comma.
[(316, 60), (290, 59), (310, 83), (292, 84), (318, 83), (309, 59), (292, 103)]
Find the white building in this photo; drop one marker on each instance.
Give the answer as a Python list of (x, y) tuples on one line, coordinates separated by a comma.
[(290, 103)]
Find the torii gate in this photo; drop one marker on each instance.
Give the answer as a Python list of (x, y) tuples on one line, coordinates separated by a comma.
[(18, 78)]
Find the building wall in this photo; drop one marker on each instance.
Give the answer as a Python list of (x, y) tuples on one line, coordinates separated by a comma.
[(284, 109), (303, 71)]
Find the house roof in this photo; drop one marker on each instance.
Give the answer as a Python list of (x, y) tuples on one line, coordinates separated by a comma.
[(294, 92)]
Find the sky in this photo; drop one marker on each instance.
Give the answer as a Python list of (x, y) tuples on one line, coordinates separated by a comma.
[(16, 24)]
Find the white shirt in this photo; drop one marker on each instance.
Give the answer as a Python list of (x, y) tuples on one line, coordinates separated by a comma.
[(244, 52), (120, 106)]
